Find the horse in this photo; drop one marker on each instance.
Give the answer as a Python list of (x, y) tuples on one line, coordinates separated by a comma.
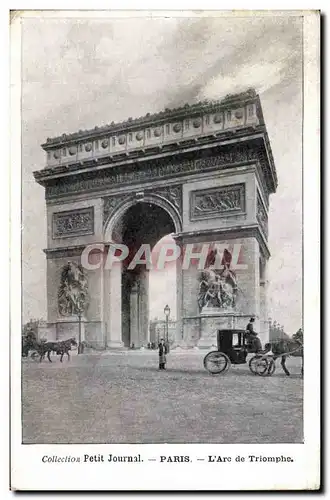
[(287, 347), (62, 347)]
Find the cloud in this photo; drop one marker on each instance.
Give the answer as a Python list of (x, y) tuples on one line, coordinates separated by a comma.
[(258, 76)]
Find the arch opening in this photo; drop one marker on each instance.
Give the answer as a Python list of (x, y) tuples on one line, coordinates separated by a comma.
[(143, 227), (163, 292)]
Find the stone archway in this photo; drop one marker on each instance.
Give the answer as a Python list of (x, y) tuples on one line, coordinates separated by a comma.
[(208, 166), (139, 220), (119, 205)]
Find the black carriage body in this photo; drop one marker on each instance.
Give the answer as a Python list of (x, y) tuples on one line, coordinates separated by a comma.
[(232, 343), (232, 348)]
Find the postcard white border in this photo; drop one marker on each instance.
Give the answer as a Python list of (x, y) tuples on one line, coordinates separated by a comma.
[(27, 470)]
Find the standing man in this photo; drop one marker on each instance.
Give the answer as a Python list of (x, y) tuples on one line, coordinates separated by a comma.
[(162, 350), (252, 336)]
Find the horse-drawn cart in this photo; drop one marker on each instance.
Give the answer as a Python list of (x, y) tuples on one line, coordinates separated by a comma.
[(233, 348)]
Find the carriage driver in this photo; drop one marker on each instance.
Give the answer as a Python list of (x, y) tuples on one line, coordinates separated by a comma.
[(252, 336)]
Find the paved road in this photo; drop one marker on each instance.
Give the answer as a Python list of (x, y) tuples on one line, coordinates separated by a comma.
[(123, 398)]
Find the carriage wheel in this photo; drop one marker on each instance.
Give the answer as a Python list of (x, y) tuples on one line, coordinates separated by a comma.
[(253, 364), (271, 367), (262, 365), (216, 362), (35, 356), (258, 365)]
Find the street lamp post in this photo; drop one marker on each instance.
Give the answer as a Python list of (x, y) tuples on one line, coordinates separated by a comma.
[(167, 312)]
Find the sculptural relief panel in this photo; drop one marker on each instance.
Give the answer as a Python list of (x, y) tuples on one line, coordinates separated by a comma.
[(218, 288), (217, 202), (73, 223), (73, 290)]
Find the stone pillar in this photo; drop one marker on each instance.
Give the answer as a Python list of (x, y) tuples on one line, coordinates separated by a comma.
[(126, 307), (139, 309), (143, 307), (113, 288), (134, 314), (249, 282), (264, 321), (179, 305), (190, 312)]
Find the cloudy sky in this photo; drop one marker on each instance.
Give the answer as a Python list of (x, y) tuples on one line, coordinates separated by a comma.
[(79, 73)]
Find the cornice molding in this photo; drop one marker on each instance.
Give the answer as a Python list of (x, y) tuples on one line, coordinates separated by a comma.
[(181, 146), (239, 231), (219, 157), (65, 251)]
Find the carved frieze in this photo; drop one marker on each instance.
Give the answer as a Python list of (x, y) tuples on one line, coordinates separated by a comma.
[(172, 194), (110, 204), (158, 132), (239, 114), (153, 170), (262, 216), (217, 202), (73, 223)]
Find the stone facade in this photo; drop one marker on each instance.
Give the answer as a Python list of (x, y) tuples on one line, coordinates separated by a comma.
[(202, 172)]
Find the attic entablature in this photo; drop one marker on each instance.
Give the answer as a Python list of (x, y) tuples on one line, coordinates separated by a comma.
[(170, 125), (237, 117), (166, 114)]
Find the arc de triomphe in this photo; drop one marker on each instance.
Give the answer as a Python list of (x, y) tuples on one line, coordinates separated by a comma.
[(203, 172)]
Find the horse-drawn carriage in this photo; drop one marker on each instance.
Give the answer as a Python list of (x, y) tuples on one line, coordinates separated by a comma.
[(232, 348), (35, 349)]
